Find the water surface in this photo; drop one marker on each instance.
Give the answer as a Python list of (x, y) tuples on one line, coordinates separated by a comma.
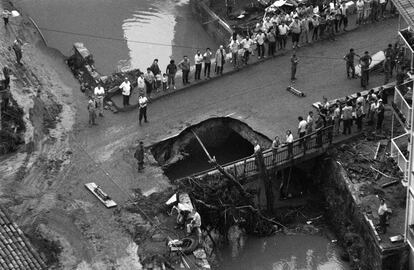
[(123, 33), (285, 252)]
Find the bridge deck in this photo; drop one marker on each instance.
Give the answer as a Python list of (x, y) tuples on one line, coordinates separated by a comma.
[(300, 150)]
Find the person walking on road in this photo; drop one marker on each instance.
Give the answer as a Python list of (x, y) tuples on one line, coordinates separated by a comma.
[(126, 91), (92, 111), (207, 63), (185, 68), (294, 63), (365, 62), (139, 156), (6, 14), (99, 93), (17, 48), (198, 60), (220, 59), (142, 101), (350, 65), (171, 71), (234, 49)]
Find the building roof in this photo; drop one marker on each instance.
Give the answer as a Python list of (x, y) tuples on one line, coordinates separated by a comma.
[(16, 253), (406, 9)]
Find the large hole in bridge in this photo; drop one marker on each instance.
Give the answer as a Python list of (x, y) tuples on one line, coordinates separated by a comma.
[(225, 138)]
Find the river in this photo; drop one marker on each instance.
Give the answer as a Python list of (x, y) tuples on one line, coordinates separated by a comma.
[(285, 252), (127, 33)]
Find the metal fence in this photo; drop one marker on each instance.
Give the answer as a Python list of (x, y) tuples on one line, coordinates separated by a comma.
[(273, 158), (400, 104)]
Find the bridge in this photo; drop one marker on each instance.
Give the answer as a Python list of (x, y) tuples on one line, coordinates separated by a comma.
[(308, 147)]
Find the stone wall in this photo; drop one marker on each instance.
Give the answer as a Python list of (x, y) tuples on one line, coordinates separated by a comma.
[(352, 227)]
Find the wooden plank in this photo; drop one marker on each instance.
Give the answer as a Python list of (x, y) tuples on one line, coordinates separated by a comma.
[(102, 196)]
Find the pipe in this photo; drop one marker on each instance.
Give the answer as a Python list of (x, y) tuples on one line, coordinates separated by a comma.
[(38, 30)]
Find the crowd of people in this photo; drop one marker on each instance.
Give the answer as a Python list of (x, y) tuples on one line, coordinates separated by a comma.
[(304, 24), (341, 115)]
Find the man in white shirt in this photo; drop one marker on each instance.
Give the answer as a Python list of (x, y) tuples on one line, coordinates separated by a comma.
[(302, 127), (198, 60), (289, 142), (195, 224), (142, 101), (283, 32), (383, 213), (141, 83), (99, 93), (260, 39), (126, 91), (247, 46)]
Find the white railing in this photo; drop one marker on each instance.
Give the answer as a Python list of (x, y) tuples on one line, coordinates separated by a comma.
[(398, 147), (401, 106), (407, 44)]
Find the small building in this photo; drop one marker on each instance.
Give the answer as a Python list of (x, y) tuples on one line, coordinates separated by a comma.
[(402, 148)]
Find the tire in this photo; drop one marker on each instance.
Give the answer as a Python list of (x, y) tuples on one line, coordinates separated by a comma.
[(189, 245)]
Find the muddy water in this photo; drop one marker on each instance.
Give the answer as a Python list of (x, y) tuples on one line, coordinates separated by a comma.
[(283, 252), (127, 33)]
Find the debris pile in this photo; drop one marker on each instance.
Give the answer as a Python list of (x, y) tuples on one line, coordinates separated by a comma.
[(12, 128)]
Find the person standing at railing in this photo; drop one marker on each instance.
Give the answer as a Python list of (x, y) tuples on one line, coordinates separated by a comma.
[(337, 117), (347, 114), (359, 111), (318, 127), (275, 146), (380, 115), (309, 123), (289, 142)]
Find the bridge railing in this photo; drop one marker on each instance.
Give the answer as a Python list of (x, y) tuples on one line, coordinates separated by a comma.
[(272, 158)]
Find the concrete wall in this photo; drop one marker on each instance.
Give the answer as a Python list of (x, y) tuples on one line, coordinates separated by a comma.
[(351, 225), (213, 24)]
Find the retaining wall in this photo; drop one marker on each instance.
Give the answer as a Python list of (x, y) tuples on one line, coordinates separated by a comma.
[(213, 24), (367, 252)]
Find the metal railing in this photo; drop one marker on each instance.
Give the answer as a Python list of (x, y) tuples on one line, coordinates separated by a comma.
[(400, 104), (397, 144), (273, 158)]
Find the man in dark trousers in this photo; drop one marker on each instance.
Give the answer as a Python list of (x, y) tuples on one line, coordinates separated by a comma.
[(139, 155), (294, 62), (143, 101), (185, 67), (350, 66), (365, 62), (387, 69), (17, 48)]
